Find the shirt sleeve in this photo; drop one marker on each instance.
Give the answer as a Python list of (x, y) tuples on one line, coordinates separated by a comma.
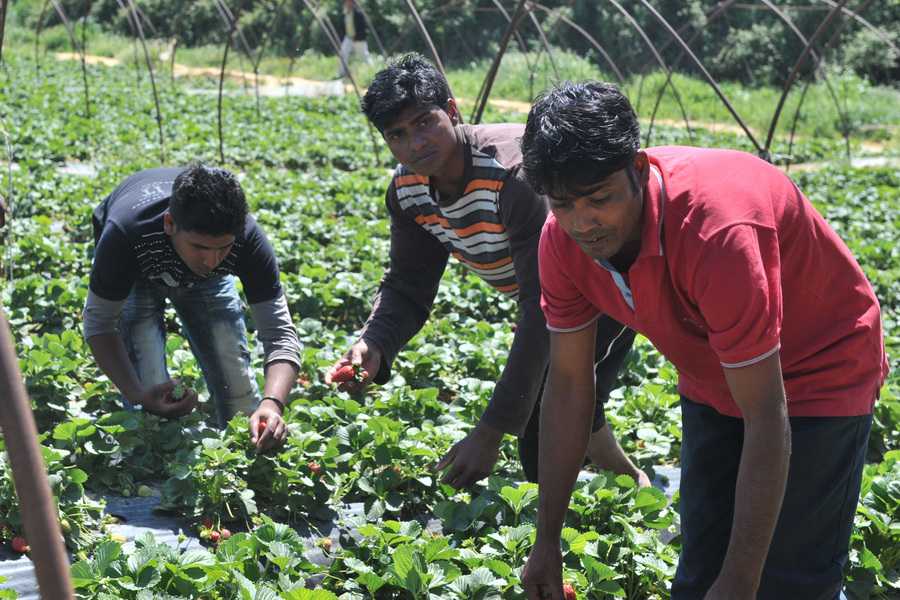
[(276, 330), (114, 269), (257, 267), (565, 307), (523, 214), (101, 316), (408, 289), (737, 287)]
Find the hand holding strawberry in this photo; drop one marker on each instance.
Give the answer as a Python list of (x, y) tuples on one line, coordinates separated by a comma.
[(267, 427), (356, 368)]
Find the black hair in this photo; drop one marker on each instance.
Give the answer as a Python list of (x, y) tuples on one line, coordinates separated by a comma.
[(208, 200), (411, 80), (577, 135)]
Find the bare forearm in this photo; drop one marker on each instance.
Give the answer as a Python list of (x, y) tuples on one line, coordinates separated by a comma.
[(112, 358), (762, 477), (566, 416), (280, 378)]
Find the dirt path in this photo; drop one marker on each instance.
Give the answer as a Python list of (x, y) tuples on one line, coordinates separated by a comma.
[(272, 85)]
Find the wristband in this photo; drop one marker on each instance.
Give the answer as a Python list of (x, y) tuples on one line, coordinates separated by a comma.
[(280, 404)]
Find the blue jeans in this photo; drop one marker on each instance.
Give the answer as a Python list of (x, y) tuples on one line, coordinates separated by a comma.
[(213, 321), (811, 542)]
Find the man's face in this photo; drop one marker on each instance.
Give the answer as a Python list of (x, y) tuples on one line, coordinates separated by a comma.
[(201, 252), (423, 138), (602, 217)]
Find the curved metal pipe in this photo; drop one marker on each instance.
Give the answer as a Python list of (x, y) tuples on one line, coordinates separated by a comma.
[(828, 46), (159, 120), (424, 32), (796, 70), (522, 46), (37, 36), (337, 49), (76, 47), (488, 82), (229, 38), (879, 33), (3, 4), (719, 9), (709, 78), (377, 37), (659, 59), (544, 41), (817, 62), (593, 42)]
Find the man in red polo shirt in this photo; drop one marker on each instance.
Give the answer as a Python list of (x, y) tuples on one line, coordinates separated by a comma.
[(719, 260)]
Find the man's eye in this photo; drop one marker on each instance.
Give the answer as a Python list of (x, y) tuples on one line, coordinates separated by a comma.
[(599, 201)]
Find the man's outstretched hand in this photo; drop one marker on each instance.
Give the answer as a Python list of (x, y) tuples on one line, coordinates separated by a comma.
[(356, 368), (161, 401)]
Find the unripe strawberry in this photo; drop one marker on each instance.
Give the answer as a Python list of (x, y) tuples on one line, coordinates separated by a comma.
[(224, 534), (569, 592), (325, 544)]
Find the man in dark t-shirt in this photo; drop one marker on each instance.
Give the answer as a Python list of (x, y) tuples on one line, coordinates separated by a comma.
[(185, 235), (459, 191)]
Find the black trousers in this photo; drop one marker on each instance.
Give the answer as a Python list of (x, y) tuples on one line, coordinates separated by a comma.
[(809, 550), (614, 340)]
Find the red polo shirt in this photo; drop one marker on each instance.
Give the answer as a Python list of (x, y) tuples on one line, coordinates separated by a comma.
[(735, 264)]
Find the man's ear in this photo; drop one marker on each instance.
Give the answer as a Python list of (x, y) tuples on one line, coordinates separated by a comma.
[(452, 111), (641, 161), (168, 223)]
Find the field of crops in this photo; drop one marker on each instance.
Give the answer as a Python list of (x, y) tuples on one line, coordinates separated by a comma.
[(313, 184)]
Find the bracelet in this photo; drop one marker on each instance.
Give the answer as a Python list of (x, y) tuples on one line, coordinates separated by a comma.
[(280, 404)]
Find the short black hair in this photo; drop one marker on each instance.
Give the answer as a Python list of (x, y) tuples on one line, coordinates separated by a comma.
[(577, 135), (411, 80), (208, 200)]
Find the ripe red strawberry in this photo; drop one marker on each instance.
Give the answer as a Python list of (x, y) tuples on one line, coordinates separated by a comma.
[(214, 536), (20, 545), (260, 428), (345, 373), (569, 592), (315, 467), (207, 523), (224, 534)]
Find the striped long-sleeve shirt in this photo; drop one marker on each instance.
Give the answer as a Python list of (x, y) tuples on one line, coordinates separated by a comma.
[(492, 226)]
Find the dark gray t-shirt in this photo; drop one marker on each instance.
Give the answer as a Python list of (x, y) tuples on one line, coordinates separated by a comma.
[(132, 245)]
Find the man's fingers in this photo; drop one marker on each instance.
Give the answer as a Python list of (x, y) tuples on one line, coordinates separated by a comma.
[(254, 420), (448, 458), (281, 432)]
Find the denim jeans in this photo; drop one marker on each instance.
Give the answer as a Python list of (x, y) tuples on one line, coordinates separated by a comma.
[(213, 322), (811, 541)]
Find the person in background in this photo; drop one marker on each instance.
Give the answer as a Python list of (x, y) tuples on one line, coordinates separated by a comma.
[(355, 36)]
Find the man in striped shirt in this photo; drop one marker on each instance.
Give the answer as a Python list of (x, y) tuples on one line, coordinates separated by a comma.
[(458, 192)]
